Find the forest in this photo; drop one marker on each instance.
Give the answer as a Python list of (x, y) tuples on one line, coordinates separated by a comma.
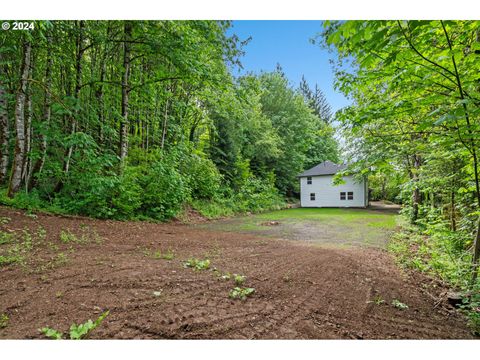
[(145, 119)]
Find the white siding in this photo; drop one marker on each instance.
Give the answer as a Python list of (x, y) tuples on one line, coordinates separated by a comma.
[(328, 195)]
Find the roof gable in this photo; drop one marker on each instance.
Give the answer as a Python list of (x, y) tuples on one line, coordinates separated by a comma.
[(324, 168)]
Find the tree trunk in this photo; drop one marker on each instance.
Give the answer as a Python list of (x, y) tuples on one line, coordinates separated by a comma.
[(78, 86), (4, 133), (19, 157), (165, 123), (28, 135), (37, 168), (125, 91), (416, 197), (476, 253), (99, 96)]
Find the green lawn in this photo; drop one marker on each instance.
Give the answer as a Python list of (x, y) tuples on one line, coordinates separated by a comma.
[(337, 227)]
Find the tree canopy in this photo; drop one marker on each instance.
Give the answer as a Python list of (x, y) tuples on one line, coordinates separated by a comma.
[(415, 91)]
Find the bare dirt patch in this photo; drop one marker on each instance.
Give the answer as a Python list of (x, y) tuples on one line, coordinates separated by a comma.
[(302, 291), (345, 227)]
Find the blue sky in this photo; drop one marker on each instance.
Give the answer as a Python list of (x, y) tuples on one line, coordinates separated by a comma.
[(287, 43)]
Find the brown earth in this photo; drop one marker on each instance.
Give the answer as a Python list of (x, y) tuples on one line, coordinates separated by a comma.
[(301, 291)]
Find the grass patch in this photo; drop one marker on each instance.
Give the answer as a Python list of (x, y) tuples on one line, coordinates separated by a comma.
[(331, 226)]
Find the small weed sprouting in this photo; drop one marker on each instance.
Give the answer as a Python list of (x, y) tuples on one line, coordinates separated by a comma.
[(67, 237), (4, 321), (169, 255), (226, 276), (52, 333), (7, 260), (59, 259), (77, 332), (239, 279), (197, 264), (399, 305), (4, 220), (41, 233), (5, 237), (241, 293), (88, 235), (377, 300)]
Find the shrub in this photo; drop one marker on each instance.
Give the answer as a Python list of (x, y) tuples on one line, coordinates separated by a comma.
[(203, 178), (164, 191)]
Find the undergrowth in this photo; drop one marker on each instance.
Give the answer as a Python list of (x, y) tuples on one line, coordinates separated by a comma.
[(441, 253)]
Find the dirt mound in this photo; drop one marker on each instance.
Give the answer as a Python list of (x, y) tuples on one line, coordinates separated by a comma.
[(135, 270), (270, 223)]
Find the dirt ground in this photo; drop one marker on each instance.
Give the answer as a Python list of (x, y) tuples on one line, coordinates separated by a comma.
[(301, 291)]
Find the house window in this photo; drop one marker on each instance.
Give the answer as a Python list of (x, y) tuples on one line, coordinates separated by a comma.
[(312, 196), (309, 180), (350, 195), (342, 196)]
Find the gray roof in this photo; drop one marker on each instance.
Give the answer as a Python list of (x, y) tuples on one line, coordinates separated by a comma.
[(324, 168)]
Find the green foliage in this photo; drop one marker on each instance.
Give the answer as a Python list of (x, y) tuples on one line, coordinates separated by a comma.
[(413, 128), (77, 332), (66, 237), (196, 135), (241, 293), (17, 247), (399, 305), (197, 264), (226, 276), (435, 250), (471, 307), (203, 178), (4, 320), (52, 333), (239, 279), (168, 255), (7, 260), (378, 300), (164, 191), (254, 195), (5, 237)]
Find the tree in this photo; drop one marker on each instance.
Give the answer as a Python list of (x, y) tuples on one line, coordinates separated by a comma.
[(316, 100), (19, 156), (415, 88)]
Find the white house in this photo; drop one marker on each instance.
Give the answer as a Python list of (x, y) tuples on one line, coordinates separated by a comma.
[(317, 188)]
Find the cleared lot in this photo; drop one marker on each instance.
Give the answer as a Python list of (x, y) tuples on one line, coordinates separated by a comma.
[(136, 271)]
